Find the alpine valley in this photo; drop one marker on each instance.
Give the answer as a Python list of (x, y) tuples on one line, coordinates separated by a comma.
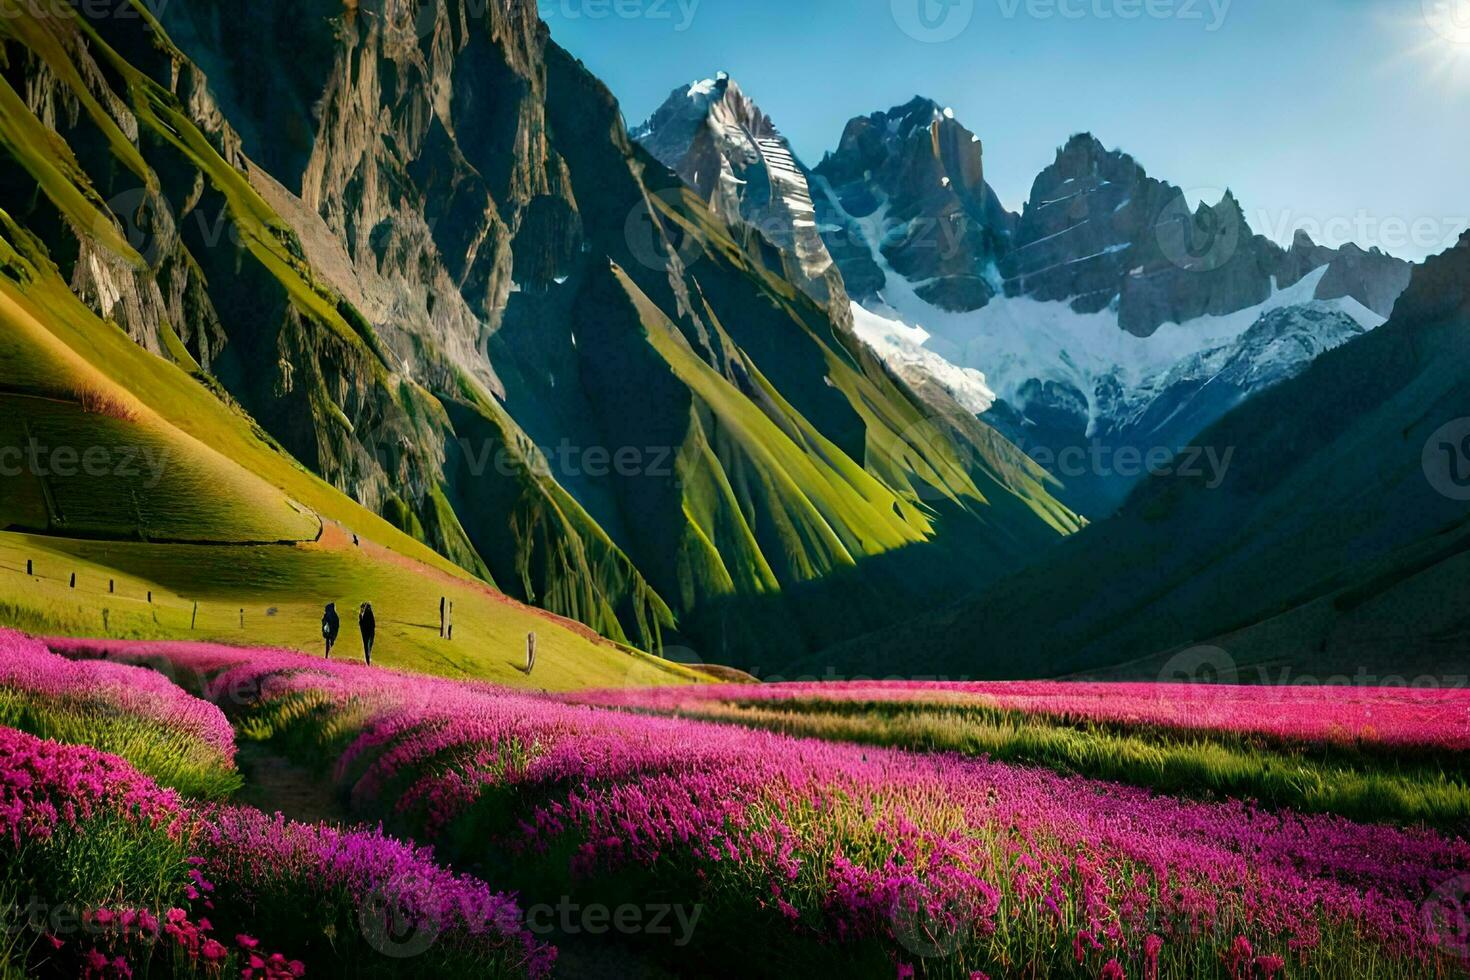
[(418, 254), (1106, 318), (448, 531)]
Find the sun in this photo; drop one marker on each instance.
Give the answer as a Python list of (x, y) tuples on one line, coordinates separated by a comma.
[(1450, 20), (1442, 46)]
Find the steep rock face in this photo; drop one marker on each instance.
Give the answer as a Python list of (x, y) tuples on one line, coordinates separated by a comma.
[(723, 146), (1329, 545), (911, 182), (461, 294), (146, 206)]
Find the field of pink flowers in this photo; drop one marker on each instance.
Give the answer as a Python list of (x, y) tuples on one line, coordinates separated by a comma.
[(106, 873), (180, 740), (1392, 717), (831, 856)]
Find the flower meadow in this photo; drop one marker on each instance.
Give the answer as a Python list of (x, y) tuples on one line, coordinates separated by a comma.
[(1397, 718), (818, 854), (106, 873), (1391, 755)]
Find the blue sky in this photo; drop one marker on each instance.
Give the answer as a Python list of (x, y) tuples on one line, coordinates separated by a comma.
[(1343, 117)]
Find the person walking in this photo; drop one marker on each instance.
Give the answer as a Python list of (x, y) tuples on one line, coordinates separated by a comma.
[(368, 623), (331, 626)]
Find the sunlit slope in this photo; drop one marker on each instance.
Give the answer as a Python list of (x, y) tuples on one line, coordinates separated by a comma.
[(87, 458), (185, 246), (259, 561), (274, 596)]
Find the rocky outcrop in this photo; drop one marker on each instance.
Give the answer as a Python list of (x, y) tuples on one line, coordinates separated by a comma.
[(1099, 233), (1079, 310)]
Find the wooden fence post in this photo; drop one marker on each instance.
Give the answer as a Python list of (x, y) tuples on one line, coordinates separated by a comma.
[(111, 587), (74, 580), (30, 567), (443, 617), (194, 618)]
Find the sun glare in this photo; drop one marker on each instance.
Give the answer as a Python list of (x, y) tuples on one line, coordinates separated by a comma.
[(1446, 44)]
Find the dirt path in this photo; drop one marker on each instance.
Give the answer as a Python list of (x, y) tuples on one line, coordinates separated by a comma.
[(273, 783)]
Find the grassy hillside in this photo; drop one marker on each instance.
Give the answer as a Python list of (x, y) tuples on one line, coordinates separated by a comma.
[(185, 498), (416, 305)]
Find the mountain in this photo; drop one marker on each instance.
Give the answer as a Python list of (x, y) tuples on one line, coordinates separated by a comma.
[(1329, 547), (911, 181), (1077, 311), (414, 246), (722, 145), (1099, 233), (725, 147)]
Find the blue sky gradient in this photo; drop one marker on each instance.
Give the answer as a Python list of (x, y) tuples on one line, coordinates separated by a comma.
[(1343, 117)]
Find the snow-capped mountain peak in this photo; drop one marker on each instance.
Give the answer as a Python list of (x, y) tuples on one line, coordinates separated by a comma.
[(725, 147)]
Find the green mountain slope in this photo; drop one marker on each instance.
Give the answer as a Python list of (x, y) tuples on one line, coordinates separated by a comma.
[(422, 254), (143, 505), (1338, 543)]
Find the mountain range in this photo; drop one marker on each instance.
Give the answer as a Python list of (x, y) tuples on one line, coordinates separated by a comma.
[(394, 282), (1091, 324), (1334, 550)]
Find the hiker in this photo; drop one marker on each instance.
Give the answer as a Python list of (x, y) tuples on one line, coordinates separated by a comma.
[(369, 625), (331, 626)]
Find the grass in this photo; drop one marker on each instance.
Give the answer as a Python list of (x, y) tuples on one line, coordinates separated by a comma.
[(282, 589), (98, 475), (102, 862), (1357, 783)]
